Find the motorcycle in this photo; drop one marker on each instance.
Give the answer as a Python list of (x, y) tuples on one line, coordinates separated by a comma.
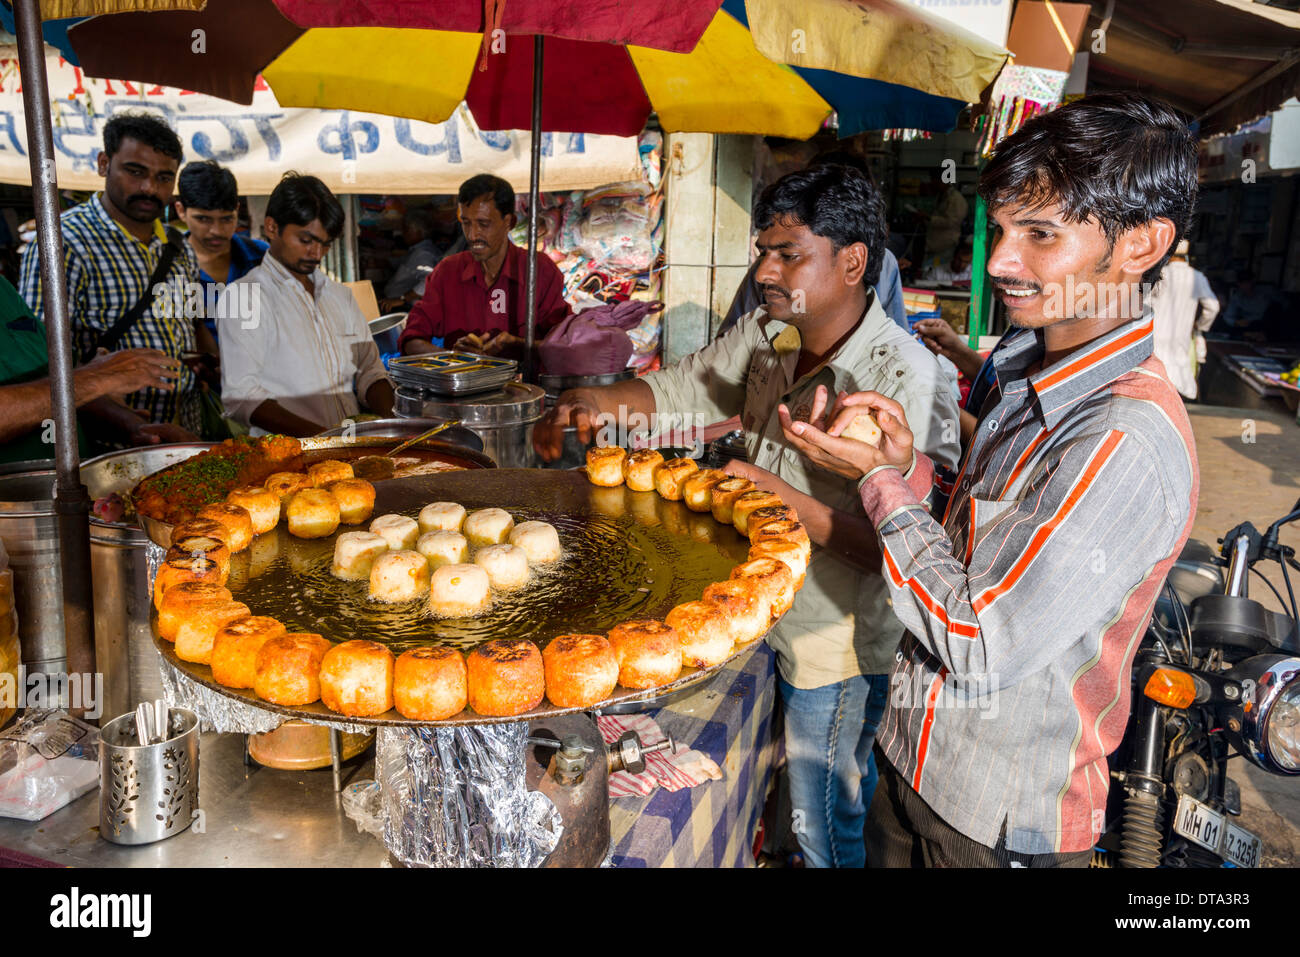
[(1217, 676)]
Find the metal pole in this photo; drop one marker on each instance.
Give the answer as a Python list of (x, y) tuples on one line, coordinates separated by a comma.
[(534, 175), (71, 503)]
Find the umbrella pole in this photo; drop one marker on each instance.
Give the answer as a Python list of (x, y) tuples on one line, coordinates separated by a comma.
[(534, 174), (71, 503)]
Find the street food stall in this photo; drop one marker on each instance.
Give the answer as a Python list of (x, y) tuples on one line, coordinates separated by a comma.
[(607, 699), (607, 555)]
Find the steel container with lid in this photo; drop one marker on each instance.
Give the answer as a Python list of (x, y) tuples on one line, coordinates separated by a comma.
[(504, 420)]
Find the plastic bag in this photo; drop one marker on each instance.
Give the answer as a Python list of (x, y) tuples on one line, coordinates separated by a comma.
[(48, 759), (594, 341), (362, 803)]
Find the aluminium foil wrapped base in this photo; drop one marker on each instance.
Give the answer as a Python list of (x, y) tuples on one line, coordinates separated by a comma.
[(456, 797)]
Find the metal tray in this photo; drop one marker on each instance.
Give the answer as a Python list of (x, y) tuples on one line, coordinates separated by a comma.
[(614, 540), (452, 373)]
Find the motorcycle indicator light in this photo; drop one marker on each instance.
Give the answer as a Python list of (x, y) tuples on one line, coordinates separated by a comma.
[(1166, 686)]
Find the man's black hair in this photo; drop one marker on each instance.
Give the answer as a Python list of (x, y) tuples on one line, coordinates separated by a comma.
[(299, 199), (837, 202), (207, 185), (144, 128), (1120, 159), (485, 184)]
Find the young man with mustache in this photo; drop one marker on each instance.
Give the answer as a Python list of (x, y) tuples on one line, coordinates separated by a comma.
[(1026, 601), (297, 357), (821, 239), (113, 244)]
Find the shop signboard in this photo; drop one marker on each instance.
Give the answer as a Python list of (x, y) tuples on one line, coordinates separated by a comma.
[(352, 152)]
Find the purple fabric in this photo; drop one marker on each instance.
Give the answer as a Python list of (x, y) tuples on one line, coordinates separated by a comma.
[(594, 341)]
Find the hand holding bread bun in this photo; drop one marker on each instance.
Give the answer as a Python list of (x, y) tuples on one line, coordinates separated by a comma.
[(838, 441)]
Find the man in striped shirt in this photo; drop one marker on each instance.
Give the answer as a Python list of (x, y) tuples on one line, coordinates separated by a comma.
[(111, 245), (1026, 604)]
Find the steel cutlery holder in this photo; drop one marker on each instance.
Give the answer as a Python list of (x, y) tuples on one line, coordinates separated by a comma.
[(149, 792)]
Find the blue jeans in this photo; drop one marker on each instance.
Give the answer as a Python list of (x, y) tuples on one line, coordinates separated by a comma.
[(828, 736)]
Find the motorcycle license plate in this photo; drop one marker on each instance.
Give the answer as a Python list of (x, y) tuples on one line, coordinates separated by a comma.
[(1207, 827)]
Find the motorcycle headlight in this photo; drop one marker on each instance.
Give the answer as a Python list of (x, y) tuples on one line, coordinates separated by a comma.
[(1270, 712)]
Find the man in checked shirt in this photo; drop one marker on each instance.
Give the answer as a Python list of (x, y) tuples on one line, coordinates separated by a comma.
[(1026, 603)]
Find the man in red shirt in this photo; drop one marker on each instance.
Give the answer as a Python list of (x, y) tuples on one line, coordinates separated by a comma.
[(477, 300)]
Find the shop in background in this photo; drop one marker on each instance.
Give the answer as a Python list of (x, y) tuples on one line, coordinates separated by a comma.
[(607, 241)]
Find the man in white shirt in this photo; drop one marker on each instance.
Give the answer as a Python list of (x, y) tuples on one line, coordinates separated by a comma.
[(296, 354), (1184, 306)]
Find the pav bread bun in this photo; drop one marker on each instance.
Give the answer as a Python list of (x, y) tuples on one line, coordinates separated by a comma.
[(506, 566), (356, 498), (748, 503), (648, 652), (288, 668), (180, 600), (785, 532), (356, 678), (488, 526), (398, 576), (355, 554), (236, 520), (197, 630), (177, 571), (863, 428), (263, 506), (313, 513), (639, 469), (725, 494), (774, 580), (540, 541), (581, 670), (670, 476), (769, 513), (442, 517), (749, 612), (703, 631), (505, 677), (200, 526), (605, 466), (458, 591), (399, 531), (697, 489), (286, 485), (429, 684), (201, 546), (235, 648), (787, 552), (443, 548), (330, 470)]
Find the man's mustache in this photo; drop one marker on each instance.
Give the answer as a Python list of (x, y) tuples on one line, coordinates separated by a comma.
[(1014, 283), (144, 198), (776, 290)]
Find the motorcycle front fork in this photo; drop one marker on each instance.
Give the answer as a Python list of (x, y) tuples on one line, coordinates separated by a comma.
[(1142, 836)]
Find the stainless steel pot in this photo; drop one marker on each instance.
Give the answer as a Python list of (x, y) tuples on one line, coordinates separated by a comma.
[(503, 420), (124, 651), (28, 529)]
